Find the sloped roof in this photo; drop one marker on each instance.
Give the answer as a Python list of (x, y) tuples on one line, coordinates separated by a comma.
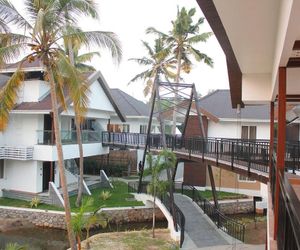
[(27, 66), (129, 105), (45, 103), (219, 104)]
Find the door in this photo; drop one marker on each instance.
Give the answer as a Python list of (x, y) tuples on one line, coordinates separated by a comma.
[(46, 174)]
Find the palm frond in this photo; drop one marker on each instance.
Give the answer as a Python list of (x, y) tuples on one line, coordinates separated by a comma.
[(152, 30), (149, 49), (76, 84), (201, 56), (103, 39), (199, 38), (86, 57), (82, 67), (139, 76), (11, 53), (10, 15), (142, 61), (8, 96)]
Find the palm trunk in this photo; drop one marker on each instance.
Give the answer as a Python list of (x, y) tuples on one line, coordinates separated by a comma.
[(79, 142), (78, 241), (176, 90), (60, 157), (78, 134), (153, 217)]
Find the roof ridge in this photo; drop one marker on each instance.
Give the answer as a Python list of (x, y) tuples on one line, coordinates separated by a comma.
[(210, 94)]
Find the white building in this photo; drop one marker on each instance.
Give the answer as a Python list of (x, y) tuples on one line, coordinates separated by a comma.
[(27, 147), (137, 115)]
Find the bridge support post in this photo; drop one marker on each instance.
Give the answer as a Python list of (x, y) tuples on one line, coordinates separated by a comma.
[(280, 142), (213, 186)]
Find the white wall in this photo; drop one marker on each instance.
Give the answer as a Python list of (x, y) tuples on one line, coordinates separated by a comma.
[(23, 176), (232, 129), (32, 90), (49, 153), (22, 129)]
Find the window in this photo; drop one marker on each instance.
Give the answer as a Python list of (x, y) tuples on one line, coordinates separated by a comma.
[(248, 132), (143, 129), (1, 169), (126, 128), (243, 178)]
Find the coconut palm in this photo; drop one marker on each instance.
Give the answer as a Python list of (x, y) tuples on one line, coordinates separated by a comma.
[(159, 64), (182, 39), (82, 220), (164, 161), (41, 36)]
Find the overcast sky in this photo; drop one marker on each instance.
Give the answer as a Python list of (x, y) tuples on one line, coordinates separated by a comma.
[(129, 20)]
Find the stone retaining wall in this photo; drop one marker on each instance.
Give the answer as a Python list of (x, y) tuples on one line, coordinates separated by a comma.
[(56, 219), (236, 207)]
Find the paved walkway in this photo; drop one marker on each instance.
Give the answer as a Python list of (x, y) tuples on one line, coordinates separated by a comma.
[(201, 233)]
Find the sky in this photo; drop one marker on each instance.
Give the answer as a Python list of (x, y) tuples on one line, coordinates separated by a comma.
[(129, 20)]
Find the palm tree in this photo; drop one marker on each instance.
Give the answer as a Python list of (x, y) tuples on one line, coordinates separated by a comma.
[(164, 161), (158, 62), (40, 38), (81, 221), (181, 39)]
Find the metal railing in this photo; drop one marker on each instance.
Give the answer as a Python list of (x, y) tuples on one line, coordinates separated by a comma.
[(253, 154), (223, 222), (47, 137), (288, 233), (165, 199), (16, 153)]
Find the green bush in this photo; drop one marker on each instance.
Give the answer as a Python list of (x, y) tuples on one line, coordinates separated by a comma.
[(35, 201), (105, 195)]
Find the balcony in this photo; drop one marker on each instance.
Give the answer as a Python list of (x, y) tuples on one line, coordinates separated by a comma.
[(16, 153), (47, 137)]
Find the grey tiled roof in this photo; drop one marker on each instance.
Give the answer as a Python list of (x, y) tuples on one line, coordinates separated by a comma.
[(129, 105), (219, 104)]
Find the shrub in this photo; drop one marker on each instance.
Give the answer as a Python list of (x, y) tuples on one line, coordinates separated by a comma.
[(105, 195), (35, 201)]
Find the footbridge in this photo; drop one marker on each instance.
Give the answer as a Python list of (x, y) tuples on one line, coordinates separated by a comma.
[(245, 157)]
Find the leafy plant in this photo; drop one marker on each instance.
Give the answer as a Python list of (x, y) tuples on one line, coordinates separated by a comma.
[(82, 220), (35, 202), (164, 161), (14, 246), (105, 195)]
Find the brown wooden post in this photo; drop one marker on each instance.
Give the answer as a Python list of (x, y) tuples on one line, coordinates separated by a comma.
[(280, 141), (271, 139), (213, 186)]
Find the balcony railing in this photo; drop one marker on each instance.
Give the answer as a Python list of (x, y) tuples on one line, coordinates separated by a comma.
[(47, 137), (16, 153)]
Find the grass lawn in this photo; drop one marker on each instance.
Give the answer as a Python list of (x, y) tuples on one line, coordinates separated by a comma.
[(120, 198), (133, 240), (207, 194)]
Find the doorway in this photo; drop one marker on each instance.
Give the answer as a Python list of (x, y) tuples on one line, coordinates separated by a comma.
[(47, 170)]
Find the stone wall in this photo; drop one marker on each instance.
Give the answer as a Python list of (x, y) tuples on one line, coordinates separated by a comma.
[(236, 207), (56, 219)]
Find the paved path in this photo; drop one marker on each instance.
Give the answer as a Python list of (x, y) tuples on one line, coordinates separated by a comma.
[(197, 227)]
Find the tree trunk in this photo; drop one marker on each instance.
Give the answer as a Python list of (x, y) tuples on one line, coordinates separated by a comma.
[(78, 134), (78, 241), (60, 157), (176, 91), (79, 142), (153, 218)]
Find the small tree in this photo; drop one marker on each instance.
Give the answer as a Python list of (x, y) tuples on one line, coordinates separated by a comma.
[(164, 161), (82, 220)]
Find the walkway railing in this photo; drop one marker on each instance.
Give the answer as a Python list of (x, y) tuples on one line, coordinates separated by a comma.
[(289, 226), (226, 224), (165, 199), (253, 154)]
